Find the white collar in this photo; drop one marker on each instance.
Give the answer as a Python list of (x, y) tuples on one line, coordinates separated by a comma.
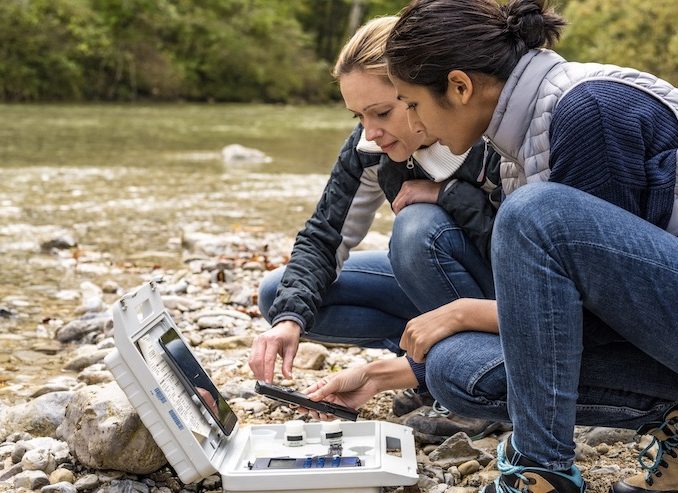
[(437, 160)]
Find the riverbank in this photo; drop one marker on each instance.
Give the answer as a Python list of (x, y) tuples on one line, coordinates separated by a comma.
[(46, 424)]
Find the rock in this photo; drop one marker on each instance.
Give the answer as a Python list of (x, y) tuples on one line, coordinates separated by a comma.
[(469, 467), (31, 480), (238, 154), (40, 416), (79, 328), (597, 435), (38, 459), (232, 342), (311, 356), (61, 475), (87, 482), (85, 356), (63, 242), (99, 423), (60, 487), (459, 449)]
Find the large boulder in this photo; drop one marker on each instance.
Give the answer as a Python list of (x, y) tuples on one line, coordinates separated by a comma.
[(104, 431)]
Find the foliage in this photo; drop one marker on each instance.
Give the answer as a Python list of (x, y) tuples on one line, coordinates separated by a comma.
[(632, 33), (255, 50)]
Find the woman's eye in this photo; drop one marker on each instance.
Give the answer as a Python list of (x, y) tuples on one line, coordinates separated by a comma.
[(356, 115), (384, 114), (411, 106)]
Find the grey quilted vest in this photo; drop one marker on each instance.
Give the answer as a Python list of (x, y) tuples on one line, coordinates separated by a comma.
[(519, 129)]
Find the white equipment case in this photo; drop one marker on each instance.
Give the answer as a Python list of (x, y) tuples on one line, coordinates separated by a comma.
[(196, 448)]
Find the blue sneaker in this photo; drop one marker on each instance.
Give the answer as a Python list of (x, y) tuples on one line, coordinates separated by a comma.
[(521, 475)]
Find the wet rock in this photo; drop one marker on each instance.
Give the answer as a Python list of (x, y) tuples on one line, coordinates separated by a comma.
[(85, 356), (63, 242), (76, 330), (99, 423), (57, 384), (238, 154)]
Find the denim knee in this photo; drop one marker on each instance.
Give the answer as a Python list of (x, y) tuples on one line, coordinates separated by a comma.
[(415, 229), (267, 289), (534, 211), (465, 373)]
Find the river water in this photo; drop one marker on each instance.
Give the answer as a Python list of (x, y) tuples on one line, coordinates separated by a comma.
[(125, 181)]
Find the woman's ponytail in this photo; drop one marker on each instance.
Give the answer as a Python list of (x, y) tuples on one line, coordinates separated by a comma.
[(531, 23)]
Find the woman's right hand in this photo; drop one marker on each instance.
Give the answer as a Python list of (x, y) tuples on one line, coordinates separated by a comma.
[(415, 192), (353, 387), (283, 340)]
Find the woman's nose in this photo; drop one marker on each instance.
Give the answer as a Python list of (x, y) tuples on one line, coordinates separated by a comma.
[(373, 132), (415, 123)]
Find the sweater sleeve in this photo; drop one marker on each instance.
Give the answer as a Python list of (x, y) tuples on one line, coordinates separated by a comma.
[(319, 247), (617, 143)]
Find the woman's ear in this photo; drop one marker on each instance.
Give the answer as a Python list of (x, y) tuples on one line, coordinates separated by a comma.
[(459, 87)]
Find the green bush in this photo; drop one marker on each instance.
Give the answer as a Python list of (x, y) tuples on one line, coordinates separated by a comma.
[(632, 33)]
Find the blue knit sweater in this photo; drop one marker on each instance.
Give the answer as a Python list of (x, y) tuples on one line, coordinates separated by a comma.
[(618, 143)]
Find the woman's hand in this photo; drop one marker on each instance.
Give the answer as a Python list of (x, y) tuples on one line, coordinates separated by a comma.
[(416, 191), (353, 387), (283, 340), (422, 332)]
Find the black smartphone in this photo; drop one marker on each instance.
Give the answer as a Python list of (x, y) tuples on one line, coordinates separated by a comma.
[(291, 396), (196, 381)]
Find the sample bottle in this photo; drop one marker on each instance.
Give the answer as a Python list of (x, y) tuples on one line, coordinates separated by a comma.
[(295, 436)]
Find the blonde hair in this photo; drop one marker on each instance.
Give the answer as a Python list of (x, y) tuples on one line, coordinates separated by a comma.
[(365, 50)]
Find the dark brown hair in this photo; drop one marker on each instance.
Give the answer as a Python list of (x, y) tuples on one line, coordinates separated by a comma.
[(433, 37)]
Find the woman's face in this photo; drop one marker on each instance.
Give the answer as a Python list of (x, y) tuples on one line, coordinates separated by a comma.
[(373, 100), (457, 122)]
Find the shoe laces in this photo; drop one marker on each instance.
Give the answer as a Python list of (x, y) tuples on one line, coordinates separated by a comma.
[(508, 469), (663, 447), (438, 410)]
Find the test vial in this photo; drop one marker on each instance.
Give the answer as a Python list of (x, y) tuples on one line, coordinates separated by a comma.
[(295, 436), (330, 433)]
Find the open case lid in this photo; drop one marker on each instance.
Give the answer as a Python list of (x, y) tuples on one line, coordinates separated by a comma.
[(190, 441)]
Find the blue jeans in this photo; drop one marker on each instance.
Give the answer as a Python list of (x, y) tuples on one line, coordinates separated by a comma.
[(587, 312), (431, 263)]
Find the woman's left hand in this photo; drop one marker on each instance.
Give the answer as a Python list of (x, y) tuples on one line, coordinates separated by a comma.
[(416, 191)]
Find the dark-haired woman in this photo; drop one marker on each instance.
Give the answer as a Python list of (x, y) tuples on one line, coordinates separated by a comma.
[(584, 251)]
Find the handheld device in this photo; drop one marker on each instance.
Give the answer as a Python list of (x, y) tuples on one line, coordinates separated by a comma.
[(291, 396), (196, 381)]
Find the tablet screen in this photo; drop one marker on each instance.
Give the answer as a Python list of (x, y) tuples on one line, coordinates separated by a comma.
[(196, 381)]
